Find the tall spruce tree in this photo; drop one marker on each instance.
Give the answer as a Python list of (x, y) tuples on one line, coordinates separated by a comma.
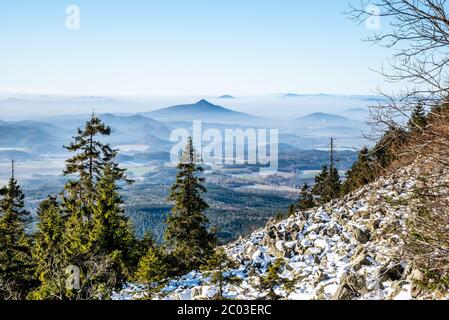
[(91, 155), (386, 151), (418, 118), (84, 169), (97, 236), (48, 252), (306, 200), (111, 232), (332, 186), (16, 267), (361, 173), (186, 233), (320, 181)]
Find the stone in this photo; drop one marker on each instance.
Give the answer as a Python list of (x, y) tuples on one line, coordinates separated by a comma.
[(331, 231), (288, 236), (374, 225), (185, 295), (416, 290), (351, 286), (250, 250), (356, 282), (360, 259), (313, 251), (321, 243), (362, 236), (397, 287), (417, 275), (391, 272), (271, 234), (288, 253)]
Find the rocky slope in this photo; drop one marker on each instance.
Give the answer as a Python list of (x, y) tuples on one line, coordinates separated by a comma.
[(348, 249)]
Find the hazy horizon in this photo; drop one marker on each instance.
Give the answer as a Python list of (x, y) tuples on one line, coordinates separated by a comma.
[(27, 107)]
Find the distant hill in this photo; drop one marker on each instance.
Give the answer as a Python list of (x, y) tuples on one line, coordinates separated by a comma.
[(226, 96), (202, 110), (16, 154), (324, 125), (290, 95), (136, 125), (324, 120), (303, 95), (31, 136)]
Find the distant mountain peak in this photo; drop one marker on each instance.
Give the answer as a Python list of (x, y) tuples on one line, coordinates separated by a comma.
[(226, 96), (201, 110), (204, 102)]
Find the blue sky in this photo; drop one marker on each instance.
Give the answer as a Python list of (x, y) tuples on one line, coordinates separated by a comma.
[(185, 47)]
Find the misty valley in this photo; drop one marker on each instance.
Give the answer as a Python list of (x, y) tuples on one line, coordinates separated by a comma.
[(241, 199)]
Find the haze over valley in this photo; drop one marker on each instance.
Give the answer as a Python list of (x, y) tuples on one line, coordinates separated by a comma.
[(34, 129)]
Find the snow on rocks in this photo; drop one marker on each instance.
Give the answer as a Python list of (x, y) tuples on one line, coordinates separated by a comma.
[(343, 250)]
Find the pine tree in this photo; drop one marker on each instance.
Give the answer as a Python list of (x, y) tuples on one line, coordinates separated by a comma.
[(306, 200), (291, 210), (418, 118), (272, 280), (152, 270), (16, 267), (361, 173), (327, 184), (47, 252), (386, 151), (186, 233), (111, 233), (91, 157), (332, 186), (219, 267), (320, 181), (85, 169), (144, 244), (98, 238)]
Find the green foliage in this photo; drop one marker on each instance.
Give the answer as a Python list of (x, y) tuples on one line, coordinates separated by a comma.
[(327, 184), (306, 200), (16, 267), (219, 267), (387, 150), (47, 252), (111, 232), (291, 210), (272, 280), (85, 168), (186, 234), (361, 173), (418, 118), (373, 163), (91, 156), (152, 270), (88, 231)]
